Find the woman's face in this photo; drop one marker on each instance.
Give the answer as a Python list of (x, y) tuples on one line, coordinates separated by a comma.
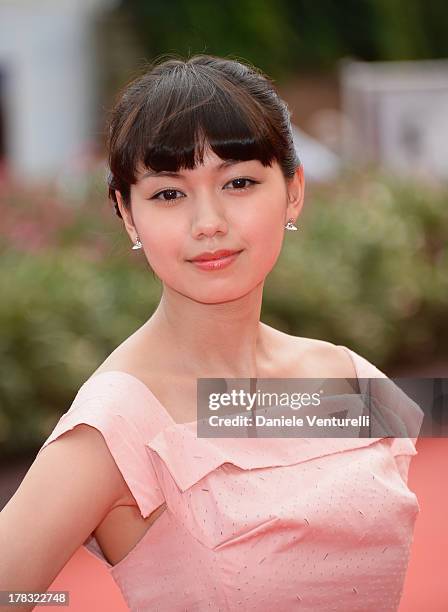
[(239, 206)]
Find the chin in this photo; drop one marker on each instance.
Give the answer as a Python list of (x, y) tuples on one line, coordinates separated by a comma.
[(218, 298), (210, 295)]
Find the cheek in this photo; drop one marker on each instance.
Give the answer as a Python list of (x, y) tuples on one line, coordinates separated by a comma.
[(161, 241), (264, 231)]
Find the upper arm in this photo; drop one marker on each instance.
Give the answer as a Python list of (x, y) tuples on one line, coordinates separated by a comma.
[(65, 494)]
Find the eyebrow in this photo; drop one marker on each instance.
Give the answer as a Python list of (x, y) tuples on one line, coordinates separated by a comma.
[(224, 164)]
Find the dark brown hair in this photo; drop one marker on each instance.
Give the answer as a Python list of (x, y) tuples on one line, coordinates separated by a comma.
[(164, 119)]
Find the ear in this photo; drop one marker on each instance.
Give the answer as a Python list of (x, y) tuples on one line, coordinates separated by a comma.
[(126, 215), (296, 194)]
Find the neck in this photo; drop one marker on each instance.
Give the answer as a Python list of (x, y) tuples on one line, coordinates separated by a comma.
[(210, 340)]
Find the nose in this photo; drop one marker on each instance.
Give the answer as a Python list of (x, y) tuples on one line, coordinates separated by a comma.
[(208, 220)]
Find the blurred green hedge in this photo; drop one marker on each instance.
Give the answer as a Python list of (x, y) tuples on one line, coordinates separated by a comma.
[(368, 268), (282, 36)]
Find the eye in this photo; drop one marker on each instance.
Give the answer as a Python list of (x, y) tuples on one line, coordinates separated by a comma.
[(170, 194), (240, 187)]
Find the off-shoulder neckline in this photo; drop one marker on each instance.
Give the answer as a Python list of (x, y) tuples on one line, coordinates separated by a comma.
[(190, 423)]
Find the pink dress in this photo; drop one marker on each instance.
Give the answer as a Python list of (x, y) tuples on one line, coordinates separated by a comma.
[(253, 523)]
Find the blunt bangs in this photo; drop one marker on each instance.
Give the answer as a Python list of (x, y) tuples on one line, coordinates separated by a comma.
[(220, 123)]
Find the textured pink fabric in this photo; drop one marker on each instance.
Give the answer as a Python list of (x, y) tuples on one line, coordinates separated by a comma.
[(254, 523)]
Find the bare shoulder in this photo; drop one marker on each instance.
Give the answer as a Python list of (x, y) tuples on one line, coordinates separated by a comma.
[(315, 357), (330, 358), (124, 357)]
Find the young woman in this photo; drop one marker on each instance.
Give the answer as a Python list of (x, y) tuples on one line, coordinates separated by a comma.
[(204, 175)]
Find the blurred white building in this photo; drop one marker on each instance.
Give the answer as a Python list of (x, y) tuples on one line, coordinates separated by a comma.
[(397, 115), (47, 83)]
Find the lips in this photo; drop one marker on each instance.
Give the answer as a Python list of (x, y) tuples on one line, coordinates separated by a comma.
[(211, 256), (217, 261)]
